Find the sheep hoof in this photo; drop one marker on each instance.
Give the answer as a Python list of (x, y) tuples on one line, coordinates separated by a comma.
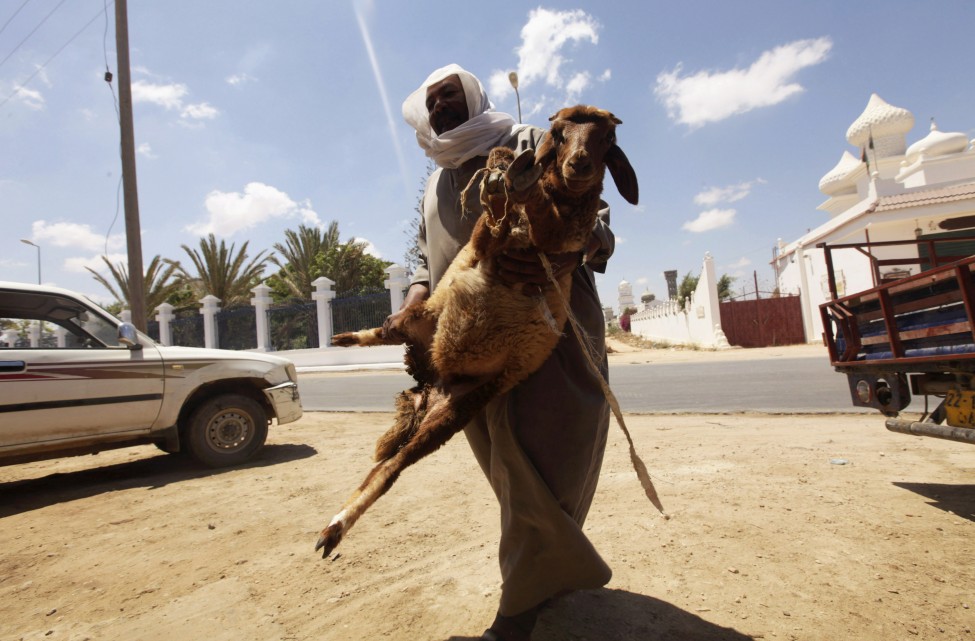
[(523, 172), (494, 182), (329, 540)]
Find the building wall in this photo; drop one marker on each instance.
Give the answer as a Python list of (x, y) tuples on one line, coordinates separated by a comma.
[(698, 324)]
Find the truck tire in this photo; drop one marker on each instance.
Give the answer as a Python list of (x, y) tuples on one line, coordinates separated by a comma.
[(226, 430)]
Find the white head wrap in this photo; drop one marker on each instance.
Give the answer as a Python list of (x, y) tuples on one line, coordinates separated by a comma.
[(485, 129)]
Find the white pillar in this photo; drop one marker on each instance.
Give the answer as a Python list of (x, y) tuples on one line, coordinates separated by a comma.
[(164, 315), (805, 296), (261, 301), (713, 304), (396, 281), (323, 295), (209, 311), (34, 333), (9, 338), (61, 335)]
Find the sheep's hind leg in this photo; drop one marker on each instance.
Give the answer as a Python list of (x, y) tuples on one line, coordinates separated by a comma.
[(446, 415)]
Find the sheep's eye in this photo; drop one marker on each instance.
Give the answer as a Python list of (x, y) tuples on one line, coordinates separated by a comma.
[(557, 136)]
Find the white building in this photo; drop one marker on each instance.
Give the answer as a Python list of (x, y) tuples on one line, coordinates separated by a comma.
[(883, 191), (625, 292)]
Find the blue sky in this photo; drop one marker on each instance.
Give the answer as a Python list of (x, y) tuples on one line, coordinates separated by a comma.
[(251, 118)]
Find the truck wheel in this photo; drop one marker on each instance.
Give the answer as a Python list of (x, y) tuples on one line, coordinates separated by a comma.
[(226, 430)]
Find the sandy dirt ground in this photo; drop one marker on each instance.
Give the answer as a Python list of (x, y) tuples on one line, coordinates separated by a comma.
[(781, 527)]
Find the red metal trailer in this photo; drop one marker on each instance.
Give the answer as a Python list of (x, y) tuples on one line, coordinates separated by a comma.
[(909, 335)]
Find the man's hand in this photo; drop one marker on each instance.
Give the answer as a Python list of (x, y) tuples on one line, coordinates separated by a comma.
[(417, 292), (524, 266)]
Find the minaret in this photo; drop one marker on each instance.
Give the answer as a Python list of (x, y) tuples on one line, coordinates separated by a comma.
[(625, 295)]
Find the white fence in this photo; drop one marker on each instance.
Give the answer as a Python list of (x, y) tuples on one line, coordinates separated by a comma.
[(698, 324), (395, 282)]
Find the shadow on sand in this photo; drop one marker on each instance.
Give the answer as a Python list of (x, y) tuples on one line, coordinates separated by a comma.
[(957, 499), (617, 615), (152, 472)]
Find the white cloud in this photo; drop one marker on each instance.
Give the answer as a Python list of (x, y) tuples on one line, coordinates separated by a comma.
[(710, 220), (79, 263), (10, 262), (167, 96), (704, 97), (72, 235), (30, 98), (541, 59), (201, 111), (729, 194), (740, 263), (370, 248), (229, 213), (170, 97), (239, 79), (576, 85), (145, 150)]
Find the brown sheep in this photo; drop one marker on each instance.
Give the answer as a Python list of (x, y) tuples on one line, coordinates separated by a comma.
[(475, 337)]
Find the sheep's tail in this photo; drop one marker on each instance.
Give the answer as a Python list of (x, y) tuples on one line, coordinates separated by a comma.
[(588, 349)]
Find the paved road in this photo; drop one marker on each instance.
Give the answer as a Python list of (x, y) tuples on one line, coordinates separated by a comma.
[(803, 385)]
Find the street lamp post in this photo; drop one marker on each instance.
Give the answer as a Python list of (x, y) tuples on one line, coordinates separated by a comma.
[(513, 79), (38, 248)]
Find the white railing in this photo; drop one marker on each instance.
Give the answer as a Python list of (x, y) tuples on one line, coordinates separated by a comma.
[(396, 281)]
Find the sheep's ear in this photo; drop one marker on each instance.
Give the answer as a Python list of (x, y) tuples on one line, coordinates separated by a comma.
[(623, 174)]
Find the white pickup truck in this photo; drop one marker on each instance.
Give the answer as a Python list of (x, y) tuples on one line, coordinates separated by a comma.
[(75, 380)]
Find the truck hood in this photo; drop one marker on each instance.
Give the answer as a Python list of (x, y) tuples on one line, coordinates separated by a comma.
[(177, 353)]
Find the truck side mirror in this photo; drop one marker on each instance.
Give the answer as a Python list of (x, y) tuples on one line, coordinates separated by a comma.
[(128, 336)]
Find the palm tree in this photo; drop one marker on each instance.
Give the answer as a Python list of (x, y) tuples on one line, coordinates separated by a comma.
[(222, 272), (159, 283), (351, 268), (724, 287), (298, 256)]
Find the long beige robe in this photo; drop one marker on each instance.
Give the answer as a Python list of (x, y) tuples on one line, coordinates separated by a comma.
[(541, 445)]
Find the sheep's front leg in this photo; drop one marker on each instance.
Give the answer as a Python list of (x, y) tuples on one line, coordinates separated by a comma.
[(362, 338), (417, 326)]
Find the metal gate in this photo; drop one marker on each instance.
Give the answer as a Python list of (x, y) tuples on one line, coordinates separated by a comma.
[(764, 322)]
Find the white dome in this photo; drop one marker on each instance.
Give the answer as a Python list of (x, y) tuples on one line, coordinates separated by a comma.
[(886, 124), (836, 181), (937, 143)]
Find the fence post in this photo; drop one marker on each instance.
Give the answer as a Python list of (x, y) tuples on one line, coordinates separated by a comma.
[(261, 301), (323, 295), (396, 281), (164, 315), (209, 312), (9, 337)]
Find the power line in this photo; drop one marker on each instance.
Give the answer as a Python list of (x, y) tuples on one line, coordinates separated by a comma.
[(48, 61), (27, 37), (11, 18)]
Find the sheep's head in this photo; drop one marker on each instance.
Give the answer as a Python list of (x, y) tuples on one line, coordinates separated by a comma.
[(582, 144)]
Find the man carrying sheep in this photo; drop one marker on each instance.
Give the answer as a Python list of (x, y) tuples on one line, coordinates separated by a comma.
[(541, 445)]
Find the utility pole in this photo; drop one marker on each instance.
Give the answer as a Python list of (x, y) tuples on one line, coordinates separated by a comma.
[(133, 230)]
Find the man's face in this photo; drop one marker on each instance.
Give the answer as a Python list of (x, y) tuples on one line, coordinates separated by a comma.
[(447, 104)]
